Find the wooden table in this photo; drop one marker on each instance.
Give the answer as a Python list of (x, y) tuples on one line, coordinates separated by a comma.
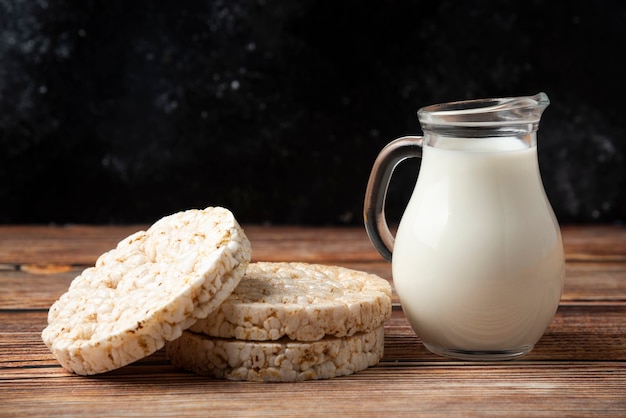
[(578, 368)]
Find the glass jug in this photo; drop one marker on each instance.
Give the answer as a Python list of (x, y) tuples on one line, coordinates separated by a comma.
[(477, 260)]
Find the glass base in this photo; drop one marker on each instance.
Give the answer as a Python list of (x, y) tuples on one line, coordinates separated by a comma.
[(481, 355)]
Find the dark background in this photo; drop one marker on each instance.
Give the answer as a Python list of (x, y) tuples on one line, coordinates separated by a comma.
[(125, 111)]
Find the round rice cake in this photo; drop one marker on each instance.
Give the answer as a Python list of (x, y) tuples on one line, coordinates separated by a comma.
[(277, 361), (147, 290), (303, 302)]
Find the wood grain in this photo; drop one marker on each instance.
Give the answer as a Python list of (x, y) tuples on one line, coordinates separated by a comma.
[(578, 368), (46, 285), (81, 245)]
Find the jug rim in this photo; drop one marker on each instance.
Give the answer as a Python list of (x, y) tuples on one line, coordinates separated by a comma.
[(485, 112)]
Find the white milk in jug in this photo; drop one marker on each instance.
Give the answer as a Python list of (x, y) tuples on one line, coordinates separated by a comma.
[(478, 258)]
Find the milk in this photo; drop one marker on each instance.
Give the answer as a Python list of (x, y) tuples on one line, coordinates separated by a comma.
[(478, 258)]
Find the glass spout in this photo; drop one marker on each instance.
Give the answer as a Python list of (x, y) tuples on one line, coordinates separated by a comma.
[(485, 117)]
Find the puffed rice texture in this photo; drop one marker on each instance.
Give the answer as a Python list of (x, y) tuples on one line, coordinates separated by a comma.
[(303, 302), (147, 290), (276, 361)]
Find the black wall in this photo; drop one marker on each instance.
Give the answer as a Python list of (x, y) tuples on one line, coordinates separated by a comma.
[(124, 111)]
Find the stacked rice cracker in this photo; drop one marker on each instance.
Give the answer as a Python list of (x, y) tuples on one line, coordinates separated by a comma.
[(187, 283)]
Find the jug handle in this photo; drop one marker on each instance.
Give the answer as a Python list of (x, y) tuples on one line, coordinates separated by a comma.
[(388, 159)]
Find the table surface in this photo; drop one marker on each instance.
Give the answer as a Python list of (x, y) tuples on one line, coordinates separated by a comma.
[(577, 368)]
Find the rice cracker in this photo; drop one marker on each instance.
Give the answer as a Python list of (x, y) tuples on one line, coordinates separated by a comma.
[(277, 361), (304, 302), (147, 290), (289, 322)]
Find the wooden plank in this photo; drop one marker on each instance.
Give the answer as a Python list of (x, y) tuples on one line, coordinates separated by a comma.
[(58, 245), (595, 282), (25, 290), (577, 333), (577, 368), (389, 390), (81, 245), (595, 243)]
